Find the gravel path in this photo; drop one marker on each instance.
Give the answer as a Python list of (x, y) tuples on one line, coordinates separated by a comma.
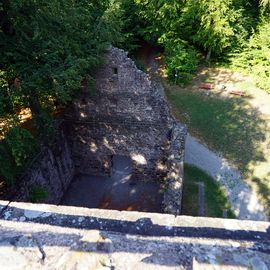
[(244, 201)]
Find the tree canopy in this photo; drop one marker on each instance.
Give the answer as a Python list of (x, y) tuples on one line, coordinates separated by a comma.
[(213, 29), (47, 49)]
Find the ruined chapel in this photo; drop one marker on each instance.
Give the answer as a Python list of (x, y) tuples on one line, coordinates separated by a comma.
[(127, 116)]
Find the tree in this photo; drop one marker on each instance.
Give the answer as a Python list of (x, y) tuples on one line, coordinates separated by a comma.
[(254, 59), (211, 24), (47, 48), (52, 45), (157, 17)]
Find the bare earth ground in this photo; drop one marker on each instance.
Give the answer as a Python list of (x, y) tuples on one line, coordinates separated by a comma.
[(118, 192), (247, 185)]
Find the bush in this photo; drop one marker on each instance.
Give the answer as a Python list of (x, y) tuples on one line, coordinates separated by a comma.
[(38, 193), (180, 60), (8, 167), (16, 150)]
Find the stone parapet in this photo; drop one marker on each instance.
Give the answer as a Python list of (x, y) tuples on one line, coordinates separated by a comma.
[(36, 236)]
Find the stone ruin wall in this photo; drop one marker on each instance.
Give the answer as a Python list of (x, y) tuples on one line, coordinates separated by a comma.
[(129, 116), (53, 171), (172, 201)]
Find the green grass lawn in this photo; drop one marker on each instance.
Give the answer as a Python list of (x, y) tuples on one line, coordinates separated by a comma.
[(215, 198), (227, 125), (231, 126)]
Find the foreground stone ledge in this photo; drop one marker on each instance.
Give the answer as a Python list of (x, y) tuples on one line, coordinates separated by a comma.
[(79, 216), (39, 236)]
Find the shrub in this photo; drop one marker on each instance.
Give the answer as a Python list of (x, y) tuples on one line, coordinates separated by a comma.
[(16, 150), (38, 193), (180, 60)]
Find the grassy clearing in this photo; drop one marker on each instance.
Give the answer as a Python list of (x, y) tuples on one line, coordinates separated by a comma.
[(215, 198), (237, 127), (226, 124)]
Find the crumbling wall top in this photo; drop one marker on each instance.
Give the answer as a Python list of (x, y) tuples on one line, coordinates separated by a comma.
[(120, 74)]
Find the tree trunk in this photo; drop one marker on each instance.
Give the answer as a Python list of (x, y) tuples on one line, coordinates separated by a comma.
[(208, 56), (35, 106)]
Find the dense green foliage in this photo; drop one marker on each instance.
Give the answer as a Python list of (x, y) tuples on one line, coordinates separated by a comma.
[(254, 59), (180, 59), (50, 46), (47, 48), (38, 193), (214, 29), (15, 152)]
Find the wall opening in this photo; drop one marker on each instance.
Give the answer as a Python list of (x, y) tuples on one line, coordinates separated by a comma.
[(115, 71), (121, 165)]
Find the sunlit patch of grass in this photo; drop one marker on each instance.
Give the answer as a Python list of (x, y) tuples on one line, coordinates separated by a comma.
[(215, 198), (225, 124)]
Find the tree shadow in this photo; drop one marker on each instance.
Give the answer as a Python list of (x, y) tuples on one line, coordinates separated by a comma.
[(229, 125), (263, 189)]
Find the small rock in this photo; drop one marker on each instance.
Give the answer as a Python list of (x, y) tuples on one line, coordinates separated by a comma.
[(235, 245), (7, 215), (32, 214), (22, 219), (81, 219)]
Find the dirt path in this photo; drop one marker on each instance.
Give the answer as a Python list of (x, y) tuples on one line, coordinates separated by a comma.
[(243, 199)]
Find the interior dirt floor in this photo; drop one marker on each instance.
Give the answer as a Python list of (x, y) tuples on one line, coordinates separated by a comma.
[(118, 192)]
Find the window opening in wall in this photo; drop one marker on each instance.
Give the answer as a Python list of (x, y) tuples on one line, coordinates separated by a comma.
[(115, 71)]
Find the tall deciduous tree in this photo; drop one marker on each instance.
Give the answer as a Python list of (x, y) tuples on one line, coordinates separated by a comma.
[(212, 23)]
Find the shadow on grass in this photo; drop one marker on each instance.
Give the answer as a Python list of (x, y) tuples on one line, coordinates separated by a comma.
[(229, 125), (263, 189), (215, 198)]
